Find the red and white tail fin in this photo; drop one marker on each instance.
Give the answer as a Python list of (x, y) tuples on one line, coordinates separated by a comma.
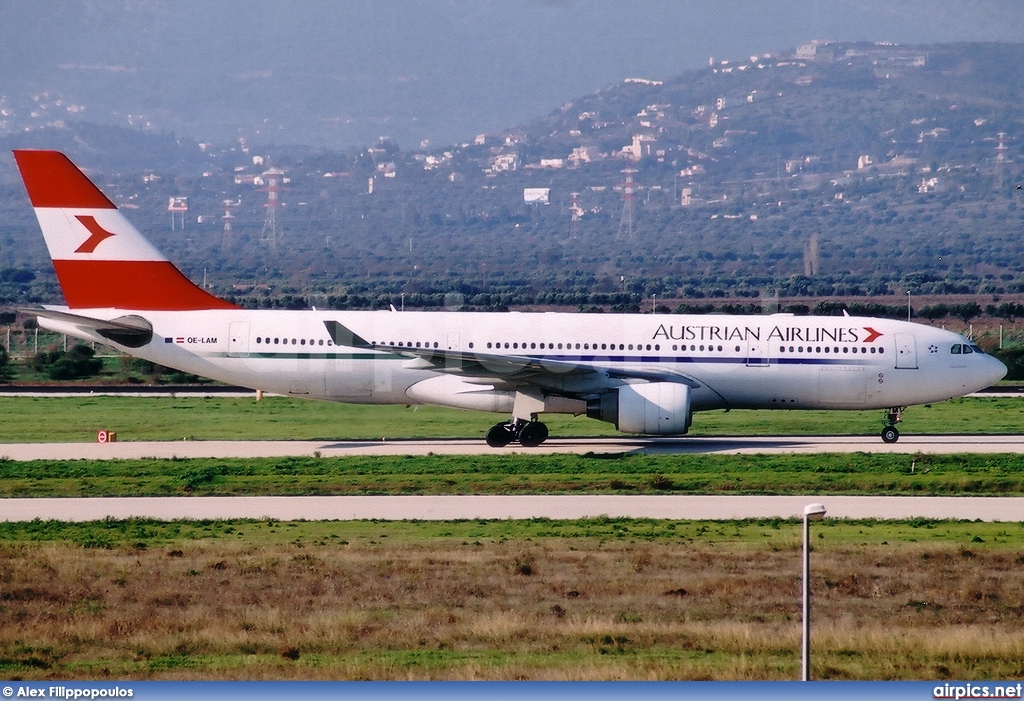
[(102, 261)]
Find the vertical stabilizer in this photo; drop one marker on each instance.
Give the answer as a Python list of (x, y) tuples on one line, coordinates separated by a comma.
[(101, 260)]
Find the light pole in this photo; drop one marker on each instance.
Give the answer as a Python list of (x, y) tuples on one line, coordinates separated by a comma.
[(812, 512)]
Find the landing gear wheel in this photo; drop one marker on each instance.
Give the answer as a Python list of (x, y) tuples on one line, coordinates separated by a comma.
[(499, 436), (533, 434), (890, 434)]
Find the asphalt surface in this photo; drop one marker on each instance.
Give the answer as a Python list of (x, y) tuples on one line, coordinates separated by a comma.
[(738, 445), (429, 508)]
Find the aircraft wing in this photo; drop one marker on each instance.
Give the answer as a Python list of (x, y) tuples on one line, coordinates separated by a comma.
[(512, 369)]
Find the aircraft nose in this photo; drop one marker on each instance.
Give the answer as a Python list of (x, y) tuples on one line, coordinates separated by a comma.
[(994, 370)]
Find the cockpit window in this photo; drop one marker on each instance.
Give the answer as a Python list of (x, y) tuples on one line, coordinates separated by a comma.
[(965, 348)]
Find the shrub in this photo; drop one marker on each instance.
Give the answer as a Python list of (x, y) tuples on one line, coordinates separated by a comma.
[(77, 363)]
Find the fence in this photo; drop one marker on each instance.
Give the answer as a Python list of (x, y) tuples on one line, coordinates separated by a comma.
[(24, 343)]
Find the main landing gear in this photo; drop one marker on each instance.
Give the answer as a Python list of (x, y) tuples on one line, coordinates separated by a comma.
[(890, 434), (529, 434)]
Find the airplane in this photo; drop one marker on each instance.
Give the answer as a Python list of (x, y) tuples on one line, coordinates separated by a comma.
[(645, 373)]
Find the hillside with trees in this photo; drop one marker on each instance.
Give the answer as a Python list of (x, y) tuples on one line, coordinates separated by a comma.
[(832, 170)]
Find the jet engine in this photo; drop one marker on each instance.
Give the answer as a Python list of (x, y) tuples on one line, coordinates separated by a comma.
[(655, 408)]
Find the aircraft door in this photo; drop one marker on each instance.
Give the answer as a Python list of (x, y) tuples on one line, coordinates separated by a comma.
[(453, 345), (238, 339), (906, 351), (757, 353)]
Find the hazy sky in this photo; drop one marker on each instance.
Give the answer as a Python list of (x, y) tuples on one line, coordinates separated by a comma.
[(343, 72)]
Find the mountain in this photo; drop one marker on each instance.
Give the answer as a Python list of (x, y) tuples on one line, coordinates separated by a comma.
[(341, 74), (834, 168)]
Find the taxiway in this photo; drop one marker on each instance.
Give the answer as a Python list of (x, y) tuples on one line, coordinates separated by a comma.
[(738, 445)]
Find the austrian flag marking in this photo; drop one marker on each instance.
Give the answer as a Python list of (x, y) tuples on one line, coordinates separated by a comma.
[(99, 234)]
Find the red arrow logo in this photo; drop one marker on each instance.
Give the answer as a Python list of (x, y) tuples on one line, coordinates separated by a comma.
[(99, 234), (873, 334)]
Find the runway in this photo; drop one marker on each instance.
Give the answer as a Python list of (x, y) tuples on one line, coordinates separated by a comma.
[(1009, 509), (445, 508), (735, 445)]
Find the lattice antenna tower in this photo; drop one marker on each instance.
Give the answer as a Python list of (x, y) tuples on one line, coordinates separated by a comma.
[(575, 214), (228, 217), (626, 222), (1000, 160), (273, 178)]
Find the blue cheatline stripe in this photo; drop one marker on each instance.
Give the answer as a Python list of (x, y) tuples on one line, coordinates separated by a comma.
[(634, 359), (502, 691)]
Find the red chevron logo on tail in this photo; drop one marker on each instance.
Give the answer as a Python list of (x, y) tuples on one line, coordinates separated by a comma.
[(99, 234)]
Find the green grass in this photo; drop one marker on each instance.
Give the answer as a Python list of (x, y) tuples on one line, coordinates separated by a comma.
[(74, 419), (601, 598), (518, 474), (142, 534)]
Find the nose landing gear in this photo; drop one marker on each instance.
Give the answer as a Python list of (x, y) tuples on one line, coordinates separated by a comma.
[(529, 434), (890, 434)]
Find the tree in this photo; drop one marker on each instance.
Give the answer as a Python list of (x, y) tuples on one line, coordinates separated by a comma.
[(5, 364), (966, 311), (933, 312)]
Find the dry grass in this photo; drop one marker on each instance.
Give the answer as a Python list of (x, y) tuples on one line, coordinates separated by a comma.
[(542, 609)]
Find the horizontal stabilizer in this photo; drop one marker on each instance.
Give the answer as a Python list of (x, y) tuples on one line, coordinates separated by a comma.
[(130, 330)]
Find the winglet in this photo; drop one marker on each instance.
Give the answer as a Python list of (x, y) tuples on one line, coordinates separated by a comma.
[(343, 336)]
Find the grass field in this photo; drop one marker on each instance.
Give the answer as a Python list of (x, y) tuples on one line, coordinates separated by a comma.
[(596, 599), (72, 419), (521, 474), (537, 599)]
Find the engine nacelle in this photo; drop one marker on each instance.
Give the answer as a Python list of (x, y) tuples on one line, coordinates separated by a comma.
[(655, 408)]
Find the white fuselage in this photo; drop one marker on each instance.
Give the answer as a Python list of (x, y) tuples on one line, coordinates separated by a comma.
[(777, 361)]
